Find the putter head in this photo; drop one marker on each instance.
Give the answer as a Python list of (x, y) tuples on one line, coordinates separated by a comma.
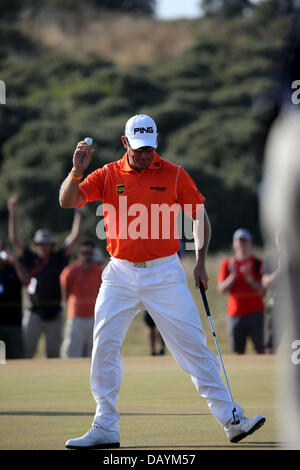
[(235, 420)]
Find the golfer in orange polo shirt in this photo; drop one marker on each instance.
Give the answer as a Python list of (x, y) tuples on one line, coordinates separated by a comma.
[(142, 193)]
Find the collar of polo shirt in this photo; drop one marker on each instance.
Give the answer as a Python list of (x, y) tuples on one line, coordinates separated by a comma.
[(154, 165)]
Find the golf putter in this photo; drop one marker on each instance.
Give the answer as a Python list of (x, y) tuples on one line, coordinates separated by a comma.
[(207, 310)]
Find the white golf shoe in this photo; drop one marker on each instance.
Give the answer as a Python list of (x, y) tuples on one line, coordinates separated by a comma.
[(243, 427), (95, 438)]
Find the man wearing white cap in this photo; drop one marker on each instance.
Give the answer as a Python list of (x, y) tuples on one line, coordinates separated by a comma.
[(240, 276), (144, 273)]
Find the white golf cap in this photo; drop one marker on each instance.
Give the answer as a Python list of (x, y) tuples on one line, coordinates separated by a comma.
[(242, 233), (141, 131)]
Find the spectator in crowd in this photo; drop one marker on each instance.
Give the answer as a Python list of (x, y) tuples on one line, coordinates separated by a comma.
[(43, 313), (240, 276), (80, 283), (12, 278), (154, 336), (99, 256)]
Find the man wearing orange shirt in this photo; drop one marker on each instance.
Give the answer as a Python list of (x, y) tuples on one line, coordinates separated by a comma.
[(142, 194), (240, 276), (80, 283)]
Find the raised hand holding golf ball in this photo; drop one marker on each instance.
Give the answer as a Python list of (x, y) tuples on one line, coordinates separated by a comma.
[(82, 156)]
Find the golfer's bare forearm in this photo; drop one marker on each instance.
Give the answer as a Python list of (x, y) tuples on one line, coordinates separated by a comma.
[(69, 195)]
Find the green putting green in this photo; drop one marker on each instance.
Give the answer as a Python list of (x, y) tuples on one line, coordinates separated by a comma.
[(44, 402)]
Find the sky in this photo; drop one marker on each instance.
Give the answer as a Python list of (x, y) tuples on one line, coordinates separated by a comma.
[(174, 9)]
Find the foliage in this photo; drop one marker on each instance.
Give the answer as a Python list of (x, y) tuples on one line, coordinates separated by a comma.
[(12, 8), (225, 8), (213, 105)]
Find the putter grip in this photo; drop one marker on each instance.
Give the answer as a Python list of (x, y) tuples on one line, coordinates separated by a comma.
[(202, 290)]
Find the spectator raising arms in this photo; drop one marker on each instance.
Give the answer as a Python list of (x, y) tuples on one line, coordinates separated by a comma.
[(43, 313)]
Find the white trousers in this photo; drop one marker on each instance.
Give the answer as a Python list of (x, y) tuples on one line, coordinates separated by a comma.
[(162, 290)]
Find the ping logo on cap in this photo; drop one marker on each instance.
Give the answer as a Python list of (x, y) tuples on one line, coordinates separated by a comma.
[(141, 130)]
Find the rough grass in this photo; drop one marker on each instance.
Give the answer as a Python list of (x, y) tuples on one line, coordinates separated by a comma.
[(45, 402)]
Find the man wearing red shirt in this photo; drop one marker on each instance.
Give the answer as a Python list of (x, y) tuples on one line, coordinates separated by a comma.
[(240, 276), (142, 194)]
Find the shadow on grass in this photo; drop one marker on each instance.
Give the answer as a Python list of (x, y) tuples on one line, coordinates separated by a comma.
[(245, 445), (87, 413)]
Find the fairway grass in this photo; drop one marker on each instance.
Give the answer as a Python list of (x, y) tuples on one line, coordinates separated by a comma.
[(44, 402)]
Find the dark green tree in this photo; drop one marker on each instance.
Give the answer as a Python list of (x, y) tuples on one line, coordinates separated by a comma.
[(225, 8), (276, 8), (134, 6), (8, 10)]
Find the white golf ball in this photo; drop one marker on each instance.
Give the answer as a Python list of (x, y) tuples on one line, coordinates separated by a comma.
[(88, 141)]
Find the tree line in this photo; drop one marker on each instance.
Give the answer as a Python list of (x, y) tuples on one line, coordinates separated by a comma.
[(213, 105)]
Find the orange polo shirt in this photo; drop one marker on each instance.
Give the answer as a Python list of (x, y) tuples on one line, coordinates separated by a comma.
[(82, 288), (141, 208)]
